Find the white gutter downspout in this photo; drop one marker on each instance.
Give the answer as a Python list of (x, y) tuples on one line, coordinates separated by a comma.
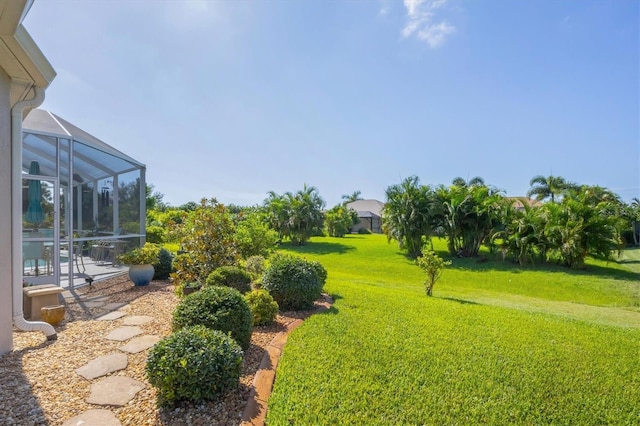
[(16, 217)]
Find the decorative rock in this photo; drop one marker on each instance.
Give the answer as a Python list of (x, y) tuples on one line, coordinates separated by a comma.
[(111, 316), (103, 365), (94, 417), (114, 390), (139, 344), (124, 333), (52, 314), (137, 320)]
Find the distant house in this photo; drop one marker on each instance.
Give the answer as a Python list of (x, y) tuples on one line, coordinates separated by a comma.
[(520, 202), (370, 214)]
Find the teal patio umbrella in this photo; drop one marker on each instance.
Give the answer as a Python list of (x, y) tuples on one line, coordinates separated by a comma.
[(34, 214)]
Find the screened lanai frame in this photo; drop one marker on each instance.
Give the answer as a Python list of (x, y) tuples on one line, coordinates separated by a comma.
[(91, 205)]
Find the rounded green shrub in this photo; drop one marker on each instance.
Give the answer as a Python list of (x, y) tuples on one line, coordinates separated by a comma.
[(230, 276), (155, 234), (164, 265), (363, 231), (194, 364), (219, 308), (293, 282), (263, 307), (320, 271)]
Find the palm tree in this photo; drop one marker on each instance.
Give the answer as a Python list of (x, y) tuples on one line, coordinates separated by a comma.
[(547, 187), (408, 214), (467, 215), (474, 181), (355, 196), (295, 215)]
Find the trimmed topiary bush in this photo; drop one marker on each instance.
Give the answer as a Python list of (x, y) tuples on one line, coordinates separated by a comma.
[(320, 271), (230, 276), (194, 364), (293, 282), (219, 308), (263, 307), (164, 265)]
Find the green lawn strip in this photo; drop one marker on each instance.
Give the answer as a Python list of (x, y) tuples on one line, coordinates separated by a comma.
[(484, 350), (622, 317), (370, 257), (630, 260), (383, 356)]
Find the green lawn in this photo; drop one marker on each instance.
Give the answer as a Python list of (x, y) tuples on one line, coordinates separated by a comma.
[(497, 344)]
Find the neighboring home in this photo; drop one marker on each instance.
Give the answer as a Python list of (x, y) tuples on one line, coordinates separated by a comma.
[(370, 214), (25, 73), (520, 202)]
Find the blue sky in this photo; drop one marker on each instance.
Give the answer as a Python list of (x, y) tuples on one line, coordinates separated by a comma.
[(232, 99)]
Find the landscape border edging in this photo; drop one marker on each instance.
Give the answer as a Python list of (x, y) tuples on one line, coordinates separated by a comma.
[(255, 411)]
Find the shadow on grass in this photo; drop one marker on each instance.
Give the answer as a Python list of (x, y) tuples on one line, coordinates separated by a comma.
[(485, 263), (331, 311), (460, 301), (320, 248)]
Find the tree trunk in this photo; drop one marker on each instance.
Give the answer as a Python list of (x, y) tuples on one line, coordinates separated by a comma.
[(429, 289)]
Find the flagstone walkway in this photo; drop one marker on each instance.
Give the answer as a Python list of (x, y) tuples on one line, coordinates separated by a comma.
[(93, 374), (115, 390)]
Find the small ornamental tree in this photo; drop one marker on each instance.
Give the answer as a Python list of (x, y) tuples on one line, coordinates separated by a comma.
[(254, 237), (207, 242), (432, 265)]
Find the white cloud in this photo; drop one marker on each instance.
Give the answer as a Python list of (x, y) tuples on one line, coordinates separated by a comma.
[(385, 7), (423, 23)]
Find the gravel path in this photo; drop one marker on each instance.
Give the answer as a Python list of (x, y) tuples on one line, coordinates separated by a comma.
[(38, 383)]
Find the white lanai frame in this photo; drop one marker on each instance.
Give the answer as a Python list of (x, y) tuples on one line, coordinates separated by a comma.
[(92, 194)]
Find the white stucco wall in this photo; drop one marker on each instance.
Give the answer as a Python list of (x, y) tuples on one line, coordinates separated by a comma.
[(5, 215)]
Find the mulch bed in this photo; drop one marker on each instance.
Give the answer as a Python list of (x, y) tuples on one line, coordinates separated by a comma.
[(38, 383)]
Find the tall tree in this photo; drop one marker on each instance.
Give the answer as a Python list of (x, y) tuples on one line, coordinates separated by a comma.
[(306, 216), (547, 187), (408, 214), (296, 216), (277, 213), (474, 181), (576, 229), (354, 196), (468, 215)]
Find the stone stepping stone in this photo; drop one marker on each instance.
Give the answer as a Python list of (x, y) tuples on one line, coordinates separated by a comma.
[(67, 295), (97, 299), (137, 320), (114, 390), (111, 316), (114, 306), (102, 366), (139, 344), (124, 333), (97, 304), (94, 417)]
